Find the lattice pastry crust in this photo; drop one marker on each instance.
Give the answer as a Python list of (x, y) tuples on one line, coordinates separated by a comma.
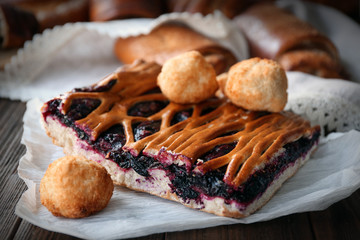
[(211, 156)]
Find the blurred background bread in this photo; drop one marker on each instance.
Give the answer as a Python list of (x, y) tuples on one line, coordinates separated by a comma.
[(169, 40), (49, 13), (24, 18), (101, 10), (274, 33), (55, 12), (16, 26)]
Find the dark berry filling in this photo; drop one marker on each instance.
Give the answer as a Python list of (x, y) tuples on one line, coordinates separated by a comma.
[(207, 110), (144, 129), (97, 88), (80, 108), (146, 109), (182, 183), (112, 139), (181, 116), (140, 164), (218, 151), (52, 109)]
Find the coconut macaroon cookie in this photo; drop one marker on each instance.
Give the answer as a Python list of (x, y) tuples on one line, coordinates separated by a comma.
[(257, 84), (75, 187), (187, 78)]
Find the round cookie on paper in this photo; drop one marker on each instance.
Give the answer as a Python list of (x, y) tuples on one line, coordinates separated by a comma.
[(257, 84), (75, 187)]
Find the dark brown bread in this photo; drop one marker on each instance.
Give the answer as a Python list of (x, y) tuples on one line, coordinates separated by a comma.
[(169, 40), (277, 34)]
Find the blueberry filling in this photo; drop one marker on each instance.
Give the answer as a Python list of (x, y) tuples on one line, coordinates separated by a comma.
[(187, 185), (140, 164), (181, 116), (144, 129), (121, 158), (80, 108), (218, 151), (52, 109), (182, 183), (97, 88), (146, 109), (112, 139), (207, 110)]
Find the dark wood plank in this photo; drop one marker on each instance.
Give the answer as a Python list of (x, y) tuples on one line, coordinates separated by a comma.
[(11, 187), (338, 221), (8, 198), (158, 236), (296, 226), (353, 203), (10, 131), (213, 233), (28, 231), (31, 232)]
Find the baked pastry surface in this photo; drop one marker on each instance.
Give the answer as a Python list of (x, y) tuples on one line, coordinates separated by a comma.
[(211, 156)]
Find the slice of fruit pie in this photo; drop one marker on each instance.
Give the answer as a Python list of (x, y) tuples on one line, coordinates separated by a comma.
[(212, 155)]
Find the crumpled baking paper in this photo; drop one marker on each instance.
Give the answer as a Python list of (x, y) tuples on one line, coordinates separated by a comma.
[(332, 173)]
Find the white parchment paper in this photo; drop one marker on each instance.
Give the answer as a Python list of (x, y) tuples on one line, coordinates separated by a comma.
[(332, 174)]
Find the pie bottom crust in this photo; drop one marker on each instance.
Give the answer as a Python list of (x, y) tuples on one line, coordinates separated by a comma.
[(159, 183)]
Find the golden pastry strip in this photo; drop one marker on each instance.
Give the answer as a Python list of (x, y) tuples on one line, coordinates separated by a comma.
[(258, 137)]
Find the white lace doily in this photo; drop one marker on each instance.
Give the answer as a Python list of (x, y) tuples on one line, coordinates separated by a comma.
[(333, 115), (333, 104)]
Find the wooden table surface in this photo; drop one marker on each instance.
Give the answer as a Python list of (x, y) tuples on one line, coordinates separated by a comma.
[(340, 221)]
